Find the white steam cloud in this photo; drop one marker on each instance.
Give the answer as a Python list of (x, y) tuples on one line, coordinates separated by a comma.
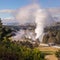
[(26, 14), (43, 19)]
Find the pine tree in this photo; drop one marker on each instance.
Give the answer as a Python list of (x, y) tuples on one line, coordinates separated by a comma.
[(0, 23), (1, 27), (4, 32)]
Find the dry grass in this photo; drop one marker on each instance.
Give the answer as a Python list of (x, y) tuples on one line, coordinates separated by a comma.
[(41, 48), (49, 50)]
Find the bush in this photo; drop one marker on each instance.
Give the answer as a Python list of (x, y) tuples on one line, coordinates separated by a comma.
[(14, 51), (58, 54)]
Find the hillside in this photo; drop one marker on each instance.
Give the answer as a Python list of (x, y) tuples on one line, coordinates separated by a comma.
[(52, 34)]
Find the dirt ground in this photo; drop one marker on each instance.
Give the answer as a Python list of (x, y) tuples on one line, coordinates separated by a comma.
[(51, 57)]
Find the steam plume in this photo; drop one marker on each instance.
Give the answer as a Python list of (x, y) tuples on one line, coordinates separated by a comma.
[(43, 19), (33, 13), (26, 14)]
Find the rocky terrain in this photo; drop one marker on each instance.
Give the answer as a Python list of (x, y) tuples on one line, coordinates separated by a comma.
[(52, 34)]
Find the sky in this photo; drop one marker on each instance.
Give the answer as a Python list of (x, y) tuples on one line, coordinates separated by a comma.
[(16, 4)]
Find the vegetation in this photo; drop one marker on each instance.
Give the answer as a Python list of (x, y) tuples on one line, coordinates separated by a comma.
[(4, 32), (58, 53), (12, 51)]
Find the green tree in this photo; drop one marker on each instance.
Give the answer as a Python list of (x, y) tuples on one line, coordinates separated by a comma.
[(4, 31), (1, 28)]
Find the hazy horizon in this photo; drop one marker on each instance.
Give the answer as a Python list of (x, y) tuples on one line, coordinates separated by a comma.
[(12, 11)]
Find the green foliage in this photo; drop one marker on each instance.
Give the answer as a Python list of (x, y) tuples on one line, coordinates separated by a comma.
[(58, 54), (4, 32), (0, 23), (13, 51)]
